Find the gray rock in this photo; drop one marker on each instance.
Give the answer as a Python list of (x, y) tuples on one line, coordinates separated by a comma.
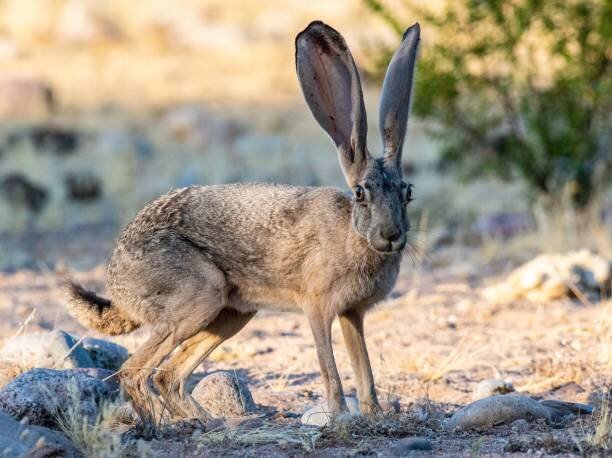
[(496, 410), (491, 387), (21, 193), (320, 415), (109, 377), (105, 354), (22, 440), (222, 394), (53, 350), (40, 395), (413, 443)]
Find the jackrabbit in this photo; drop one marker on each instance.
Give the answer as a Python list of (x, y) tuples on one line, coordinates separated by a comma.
[(198, 263)]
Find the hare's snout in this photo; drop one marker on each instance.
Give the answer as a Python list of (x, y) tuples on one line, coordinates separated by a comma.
[(389, 239)]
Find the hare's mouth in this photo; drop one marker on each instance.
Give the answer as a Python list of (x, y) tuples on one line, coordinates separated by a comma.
[(388, 247)]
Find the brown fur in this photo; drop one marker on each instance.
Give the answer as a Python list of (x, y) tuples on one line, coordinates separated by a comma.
[(95, 312), (198, 263)]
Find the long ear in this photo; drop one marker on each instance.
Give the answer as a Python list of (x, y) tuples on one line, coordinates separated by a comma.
[(396, 96), (332, 90)]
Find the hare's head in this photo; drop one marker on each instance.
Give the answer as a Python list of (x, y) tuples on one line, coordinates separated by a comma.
[(330, 83)]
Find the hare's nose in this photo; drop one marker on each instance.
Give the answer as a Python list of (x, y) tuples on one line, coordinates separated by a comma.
[(390, 233)]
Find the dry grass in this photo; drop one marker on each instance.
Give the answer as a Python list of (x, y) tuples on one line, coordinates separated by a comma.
[(267, 433), (602, 436), (431, 366), (93, 438), (597, 437)]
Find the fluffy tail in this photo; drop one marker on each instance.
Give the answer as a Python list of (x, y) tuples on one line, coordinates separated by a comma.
[(95, 312)]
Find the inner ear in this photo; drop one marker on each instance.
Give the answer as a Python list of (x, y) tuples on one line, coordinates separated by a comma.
[(332, 89)]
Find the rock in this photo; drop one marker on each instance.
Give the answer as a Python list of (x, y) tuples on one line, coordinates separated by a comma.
[(20, 192), (40, 395), (105, 354), (582, 274), (491, 387), (83, 186), (54, 139), (408, 444), (496, 410), (222, 394), (25, 98), (319, 415), (109, 377), (24, 440), (54, 350)]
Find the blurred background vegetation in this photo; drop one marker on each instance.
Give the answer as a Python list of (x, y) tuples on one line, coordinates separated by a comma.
[(518, 89), (105, 105)]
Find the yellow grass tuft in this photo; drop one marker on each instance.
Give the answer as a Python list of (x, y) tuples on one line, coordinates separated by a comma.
[(95, 439)]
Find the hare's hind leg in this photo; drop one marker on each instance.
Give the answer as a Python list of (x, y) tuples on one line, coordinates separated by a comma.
[(170, 380), (194, 292), (136, 370)]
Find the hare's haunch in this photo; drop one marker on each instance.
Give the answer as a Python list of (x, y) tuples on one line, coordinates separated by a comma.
[(198, 263)]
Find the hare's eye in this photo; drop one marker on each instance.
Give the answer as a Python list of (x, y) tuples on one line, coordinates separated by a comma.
[(359, 193), (407, 192)]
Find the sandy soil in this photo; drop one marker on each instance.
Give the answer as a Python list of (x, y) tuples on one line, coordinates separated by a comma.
[(430, 344)]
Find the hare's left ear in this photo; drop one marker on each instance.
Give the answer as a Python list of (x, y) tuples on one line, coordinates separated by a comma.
[(395, 100)]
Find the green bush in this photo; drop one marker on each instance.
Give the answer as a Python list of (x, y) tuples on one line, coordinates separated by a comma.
[(517, 88)]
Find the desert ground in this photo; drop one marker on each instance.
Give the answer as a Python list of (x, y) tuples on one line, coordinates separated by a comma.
[(430, 343), (147, 100)]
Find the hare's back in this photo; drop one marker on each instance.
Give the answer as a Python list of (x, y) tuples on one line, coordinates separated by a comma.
[(241, 223)]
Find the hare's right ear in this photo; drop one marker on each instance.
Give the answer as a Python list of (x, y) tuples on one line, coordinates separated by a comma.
[(332, 89)]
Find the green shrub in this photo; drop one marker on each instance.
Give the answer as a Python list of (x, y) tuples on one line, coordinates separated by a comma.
[(517, 89)]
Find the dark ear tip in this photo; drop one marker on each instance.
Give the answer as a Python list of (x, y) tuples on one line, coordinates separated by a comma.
[(414, 28), (316, 26)]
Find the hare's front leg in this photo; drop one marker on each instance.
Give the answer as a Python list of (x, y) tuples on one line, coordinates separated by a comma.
[(351, 323), (320, 324)]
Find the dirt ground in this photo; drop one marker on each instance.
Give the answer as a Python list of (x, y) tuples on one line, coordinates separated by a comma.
[(430, 344)]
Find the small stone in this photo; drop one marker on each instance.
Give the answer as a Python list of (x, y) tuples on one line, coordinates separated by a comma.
[(320, 415), (413, 443), (491, 387), (223, 394)]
